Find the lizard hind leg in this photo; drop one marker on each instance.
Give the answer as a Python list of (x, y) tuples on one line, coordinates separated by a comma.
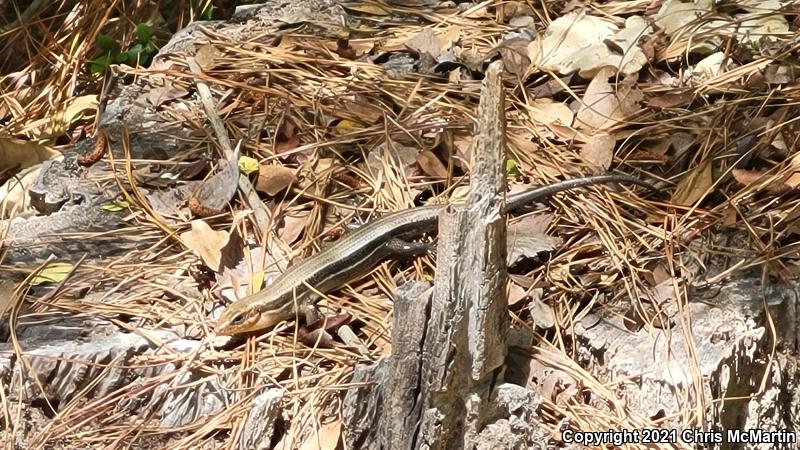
[(400, 248)]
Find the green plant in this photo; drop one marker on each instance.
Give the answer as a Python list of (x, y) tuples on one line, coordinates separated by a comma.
[(141, 51)]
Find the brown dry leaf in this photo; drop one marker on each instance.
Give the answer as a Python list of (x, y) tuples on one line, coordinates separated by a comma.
[(19, 154), (449, 36), (746, 177), (546, 111), (287, 138), (568, 38), (516, 294), (779, 74), (550, 88), (367, 110), (694, 185), (626, 43), (273, 179), (431, 165), (293, 226), (671, 100), (757, 26), (586, 43), (207, 56), (661, 273), (675, 15), (361, 46), (531, 225), (7, 298), (245, 276), (542, 314), (75, 107), (368, 8), (709, 67), (566, 133), (345, 127), (326, 438), (514, 53), (463, 151), (214, 193), (603, 106), (206, 243), (694, 24), (523, 144), (679, 141), (527, 238), (521, 246), (404, 156), (425, 42), (729, 218), (792, 181), (640, 155), (14, 192), (158, 95), (599, 150)]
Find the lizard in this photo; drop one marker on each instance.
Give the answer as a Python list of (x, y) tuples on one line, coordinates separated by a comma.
[(357, 253)]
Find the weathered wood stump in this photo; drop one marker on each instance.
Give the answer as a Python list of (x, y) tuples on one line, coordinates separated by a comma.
[(440, 388)]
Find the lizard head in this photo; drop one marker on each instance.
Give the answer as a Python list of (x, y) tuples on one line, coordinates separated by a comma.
[(252, 314), (236, 320)]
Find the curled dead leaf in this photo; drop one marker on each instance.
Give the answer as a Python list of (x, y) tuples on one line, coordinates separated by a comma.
[(547, 111), (206, 242), (207, 56), (542, 314), (671, 100), (599, 151), (273, 179), (514, 53), (14, 192), (515, 294), (604, 106), (213, 195), (530, 225), (293, 226), (287, 138), (695, 185), (521, 246), (18, 154), (425, 42), (164, 92), (585, 43), (431, 165)]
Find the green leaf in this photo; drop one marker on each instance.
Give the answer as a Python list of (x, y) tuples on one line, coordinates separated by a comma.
[(116, 206), (247, 165), (100, 64), (107, 44), (208, 13), (144, 33), (136, 54), (52, 273), (512, 169)]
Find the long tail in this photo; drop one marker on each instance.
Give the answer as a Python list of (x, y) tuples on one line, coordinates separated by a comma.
[(524, 198)]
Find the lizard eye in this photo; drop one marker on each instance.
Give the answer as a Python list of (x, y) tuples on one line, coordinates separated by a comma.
[(238, 319)]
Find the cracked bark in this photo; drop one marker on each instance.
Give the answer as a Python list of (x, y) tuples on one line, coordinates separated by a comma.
[(435, 389)]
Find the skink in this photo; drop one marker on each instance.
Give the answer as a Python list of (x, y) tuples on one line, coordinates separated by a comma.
[(356, 254)]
